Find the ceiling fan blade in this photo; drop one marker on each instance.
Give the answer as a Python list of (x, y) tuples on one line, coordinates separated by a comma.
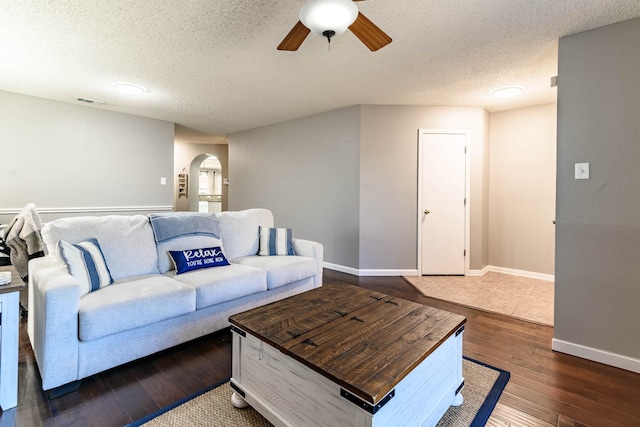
[(294, 39), (369, 33)]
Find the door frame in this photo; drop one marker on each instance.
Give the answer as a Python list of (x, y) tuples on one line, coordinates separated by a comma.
[(467, 185)]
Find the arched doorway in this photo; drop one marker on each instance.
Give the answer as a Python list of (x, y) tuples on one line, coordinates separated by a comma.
[(205, 186), (210, 186)]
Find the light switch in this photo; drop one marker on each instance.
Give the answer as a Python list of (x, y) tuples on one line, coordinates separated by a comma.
[(163, 181), (582, 170)]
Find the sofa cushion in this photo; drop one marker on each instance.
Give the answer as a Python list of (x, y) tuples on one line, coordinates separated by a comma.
[(239, 230), (177, 231), (86, 263), (281, 270), (132, 303), (126, 241), (221, 284), (275, 241), (194, 259)]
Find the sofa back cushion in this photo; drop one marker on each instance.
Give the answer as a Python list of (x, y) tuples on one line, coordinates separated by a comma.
[(239, 230), (126, 241)]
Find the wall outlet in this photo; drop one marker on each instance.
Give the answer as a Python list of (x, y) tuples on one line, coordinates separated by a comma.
[(163, 181)]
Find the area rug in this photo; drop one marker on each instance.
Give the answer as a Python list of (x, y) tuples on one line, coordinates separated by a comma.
[(212, 407), (519, 297)]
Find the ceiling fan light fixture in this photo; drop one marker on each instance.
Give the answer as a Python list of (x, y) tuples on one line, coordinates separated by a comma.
[(321, 16), (507, 91)]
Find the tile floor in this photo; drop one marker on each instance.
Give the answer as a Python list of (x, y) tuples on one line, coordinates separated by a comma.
[(520, 297)]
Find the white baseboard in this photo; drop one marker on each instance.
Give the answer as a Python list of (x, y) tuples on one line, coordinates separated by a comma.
[(596, 355), (482, 272), (340, 268), (369, 272), (478, 272), (513, 272), (388, 272)]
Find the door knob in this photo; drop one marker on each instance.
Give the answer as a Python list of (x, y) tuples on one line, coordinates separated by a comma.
[(426, 212)]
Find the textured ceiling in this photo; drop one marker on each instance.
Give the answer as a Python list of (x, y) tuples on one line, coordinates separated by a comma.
[(212, 67)]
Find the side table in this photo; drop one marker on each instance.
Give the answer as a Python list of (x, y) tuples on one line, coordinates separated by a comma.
[(9, 338)]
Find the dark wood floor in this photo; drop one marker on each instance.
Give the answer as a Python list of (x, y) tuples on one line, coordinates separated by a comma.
[(546, 388)]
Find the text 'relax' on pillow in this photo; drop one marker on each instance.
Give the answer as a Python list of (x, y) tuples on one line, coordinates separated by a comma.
[(193, 259), (275, 241), (85, 262)]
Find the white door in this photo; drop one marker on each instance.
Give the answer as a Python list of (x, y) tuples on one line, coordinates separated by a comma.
[(442, 203)]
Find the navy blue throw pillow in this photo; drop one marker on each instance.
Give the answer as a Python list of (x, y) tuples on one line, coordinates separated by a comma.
[(193, 259)]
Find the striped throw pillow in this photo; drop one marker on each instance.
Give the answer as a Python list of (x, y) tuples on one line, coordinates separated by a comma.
[(275, 241), (85, 262)]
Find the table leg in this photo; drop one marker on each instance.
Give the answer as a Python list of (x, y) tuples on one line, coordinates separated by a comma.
[(457, 401), (238, 401)]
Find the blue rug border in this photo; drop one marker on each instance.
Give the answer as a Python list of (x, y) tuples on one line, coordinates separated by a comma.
[(176, 404), (490, 402), (481, 418)]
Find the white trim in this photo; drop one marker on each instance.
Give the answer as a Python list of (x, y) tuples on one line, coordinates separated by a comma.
[(596, 355), (478, 272), (388, 273), (420, 209), (513, 272), (75, 210), (341, 268), (523, 273), (369, 272), (414, 272)]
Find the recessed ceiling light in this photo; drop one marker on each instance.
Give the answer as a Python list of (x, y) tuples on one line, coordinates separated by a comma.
[(130, 88), (507, 91)]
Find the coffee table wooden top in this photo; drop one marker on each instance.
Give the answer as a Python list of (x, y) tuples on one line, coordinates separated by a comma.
[(365, 341)]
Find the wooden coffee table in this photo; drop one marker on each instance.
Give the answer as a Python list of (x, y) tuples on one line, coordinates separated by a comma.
[(341, 355)]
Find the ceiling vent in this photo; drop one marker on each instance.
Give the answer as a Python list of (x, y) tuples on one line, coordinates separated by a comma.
[(90, 101)]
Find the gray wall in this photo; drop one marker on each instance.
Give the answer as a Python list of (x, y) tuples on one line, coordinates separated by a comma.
[(389, 207), (60, 155), (598, 220), (348, 178), (522, 199), (307, 172)]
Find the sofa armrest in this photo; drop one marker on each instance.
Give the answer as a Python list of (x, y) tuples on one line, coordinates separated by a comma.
[(313, 250), (54, 301)]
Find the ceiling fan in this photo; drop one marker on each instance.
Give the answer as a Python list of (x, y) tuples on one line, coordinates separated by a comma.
[(330, 18)]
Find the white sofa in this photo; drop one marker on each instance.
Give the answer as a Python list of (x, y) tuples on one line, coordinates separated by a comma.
[(149, 307)]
